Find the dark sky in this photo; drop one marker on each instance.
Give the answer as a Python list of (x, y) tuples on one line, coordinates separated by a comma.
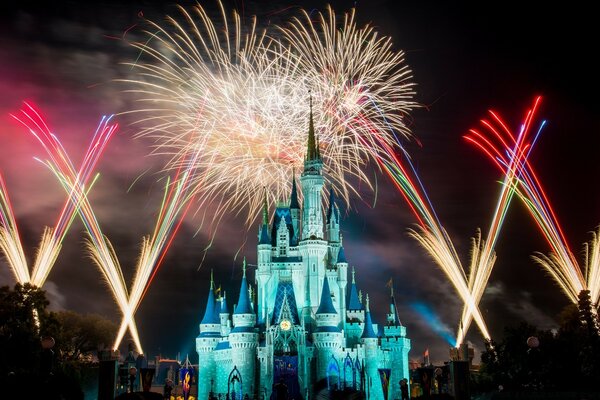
[(465, 59)]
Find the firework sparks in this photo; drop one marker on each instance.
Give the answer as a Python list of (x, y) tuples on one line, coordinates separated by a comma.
[(52, 238), (483, 256), (100, 249), (73, 183), (236, 92), (430, 233), (560, 262)]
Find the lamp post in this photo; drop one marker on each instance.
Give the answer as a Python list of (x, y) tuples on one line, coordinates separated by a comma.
[(533, 343), (47, 355)]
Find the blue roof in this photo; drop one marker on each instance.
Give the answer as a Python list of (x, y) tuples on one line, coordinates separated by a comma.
[(294, 196), (368, 332), (285, 293), (223, 345), (224, 309), (211, 315), (243, 329), (243, 305), (342, 256), (354, 303), (263, 236), (326, 305)]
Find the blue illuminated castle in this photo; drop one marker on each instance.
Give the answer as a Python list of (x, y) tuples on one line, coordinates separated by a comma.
[(308, 329)]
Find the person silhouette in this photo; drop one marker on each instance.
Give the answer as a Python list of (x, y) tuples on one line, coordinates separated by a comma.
[(404, 389)]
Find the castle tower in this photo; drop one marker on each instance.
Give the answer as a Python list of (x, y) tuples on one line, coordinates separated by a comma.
[(370, 341), (210, 335), (312, 183), (327, 337), (398, 345), (263, 272), (312, 247), (243, 338), (342, 268), (333, 224)]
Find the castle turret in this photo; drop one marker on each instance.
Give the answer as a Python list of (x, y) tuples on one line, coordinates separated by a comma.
[(263, 272), (327, 337), (224, 316), (355, 307), (210, 336), (342, 279), (295, 211), (333, 221), (243, 338), (395, 341), (369, 341)]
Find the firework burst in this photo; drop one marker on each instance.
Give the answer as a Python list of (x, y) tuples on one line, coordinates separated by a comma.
[(560, 263), (240, 94)]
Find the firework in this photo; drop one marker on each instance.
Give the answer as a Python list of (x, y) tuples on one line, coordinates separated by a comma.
[(153, 248), (430, 233), (175, 205), (236, 92), (52, 238), (560, 263), (73, 183), (483, 256)]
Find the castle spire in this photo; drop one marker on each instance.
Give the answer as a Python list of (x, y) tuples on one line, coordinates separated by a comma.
[(224, 309), (265, 211), (243, 305), (294, 196), (312, 152), (326, 305), (210, 316), (263, 231), (354, 303), (332, 211), (368, 331), (393, 317)]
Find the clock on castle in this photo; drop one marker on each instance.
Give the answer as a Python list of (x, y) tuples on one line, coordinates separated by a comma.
[(307, 329)]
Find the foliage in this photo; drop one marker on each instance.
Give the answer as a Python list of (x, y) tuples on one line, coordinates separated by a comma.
[(565, 360), (81, 336), (23, 321)]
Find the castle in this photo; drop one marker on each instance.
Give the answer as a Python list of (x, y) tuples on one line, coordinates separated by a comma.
[(307, 329)]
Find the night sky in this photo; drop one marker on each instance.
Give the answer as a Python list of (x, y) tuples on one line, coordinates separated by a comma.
[(465, 59)]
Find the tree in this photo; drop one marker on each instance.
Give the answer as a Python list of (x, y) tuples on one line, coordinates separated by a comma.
[(23, 321), (81, 336), (587, 320)]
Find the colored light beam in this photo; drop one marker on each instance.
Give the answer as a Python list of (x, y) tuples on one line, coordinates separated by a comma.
[(52, 238), (174, 206), (429, 233), (62, 167), (560, 262), (483, 255)]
